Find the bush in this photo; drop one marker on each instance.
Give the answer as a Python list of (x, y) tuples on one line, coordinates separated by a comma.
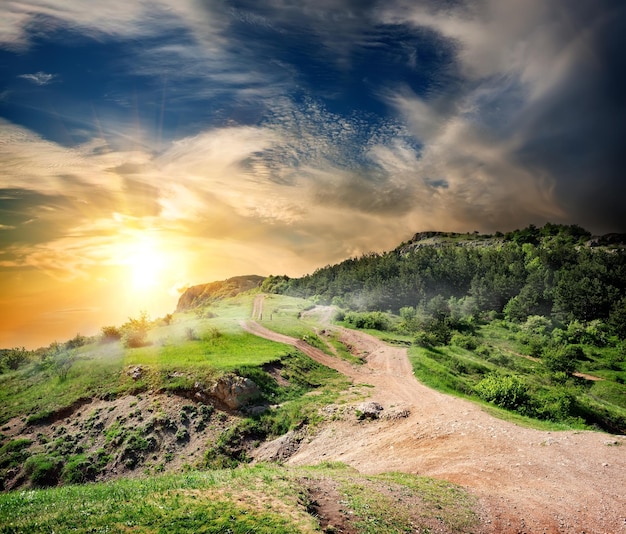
[(14, 453), (370, 320), (190, 334), (558, 404), (563, 360), (110, 334), (76, 342), (537, 325), (43, 470), (79, 469), (506, 391), (464, 341), (14, 358), (212, 334), (135, 331), (424, 339), (339, 316)]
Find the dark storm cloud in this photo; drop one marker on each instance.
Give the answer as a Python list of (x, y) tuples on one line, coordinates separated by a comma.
[(577, 132)]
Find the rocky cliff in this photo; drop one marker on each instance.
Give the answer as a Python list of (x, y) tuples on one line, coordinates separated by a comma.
[(204, 294)]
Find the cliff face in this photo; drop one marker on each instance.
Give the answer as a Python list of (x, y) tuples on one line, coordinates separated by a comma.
[(204, 294)]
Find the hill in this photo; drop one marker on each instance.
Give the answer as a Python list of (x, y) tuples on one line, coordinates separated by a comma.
[(205, 294)]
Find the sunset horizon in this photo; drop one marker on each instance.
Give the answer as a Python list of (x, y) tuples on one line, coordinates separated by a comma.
[(148, 147)]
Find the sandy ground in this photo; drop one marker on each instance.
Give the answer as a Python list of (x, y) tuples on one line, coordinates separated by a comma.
[(526, 480)]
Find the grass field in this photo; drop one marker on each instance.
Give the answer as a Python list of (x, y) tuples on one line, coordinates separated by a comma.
[(260, 499)]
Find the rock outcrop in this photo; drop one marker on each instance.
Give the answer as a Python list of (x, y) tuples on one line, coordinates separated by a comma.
[(204, 294), (234, 391)]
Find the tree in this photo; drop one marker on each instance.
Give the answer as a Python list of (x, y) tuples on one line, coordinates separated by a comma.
[(135, 331), (110, 334), (14, 358)]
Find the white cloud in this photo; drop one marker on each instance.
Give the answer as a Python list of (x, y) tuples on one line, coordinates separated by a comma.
[(38, 78)]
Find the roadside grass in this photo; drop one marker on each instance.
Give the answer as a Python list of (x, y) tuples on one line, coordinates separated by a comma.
[(282, 314), (340, 349), (259, 499), (263, 499)]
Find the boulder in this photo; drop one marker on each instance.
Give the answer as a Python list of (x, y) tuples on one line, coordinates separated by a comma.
[(234, 391), (368, 410), (136, 373)]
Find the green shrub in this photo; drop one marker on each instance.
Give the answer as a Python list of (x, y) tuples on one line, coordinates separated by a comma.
[(211, 335), (563, 360), (14, 358), (557, 404), (43, 470), (506, 391), (464, 341), (79, 469), (14, 453), (76, 342), (110, 334), (135, 331), (339, 316), (190, 334), (424, 339), (370, 320)]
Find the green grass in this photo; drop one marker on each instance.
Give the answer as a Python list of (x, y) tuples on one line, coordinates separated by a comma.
[(243, 500), (260, 499), (193, 348), (554, 402), (31, 390), (225, 353), (282, 314)]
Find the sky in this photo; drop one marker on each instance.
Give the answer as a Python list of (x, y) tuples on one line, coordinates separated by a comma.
[(146, 146)]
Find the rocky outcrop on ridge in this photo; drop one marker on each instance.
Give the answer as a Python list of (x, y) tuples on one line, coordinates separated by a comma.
[(204, 294)]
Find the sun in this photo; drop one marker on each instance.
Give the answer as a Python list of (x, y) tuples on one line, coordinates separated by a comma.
[(146, 265)]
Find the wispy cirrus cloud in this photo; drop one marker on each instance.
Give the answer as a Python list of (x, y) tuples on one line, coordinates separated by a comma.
[(39, 78)]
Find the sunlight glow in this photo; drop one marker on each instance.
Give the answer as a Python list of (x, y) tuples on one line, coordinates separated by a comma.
[(146, 264)]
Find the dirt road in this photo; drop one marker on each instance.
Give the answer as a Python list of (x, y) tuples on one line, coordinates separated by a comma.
[(526, 480)]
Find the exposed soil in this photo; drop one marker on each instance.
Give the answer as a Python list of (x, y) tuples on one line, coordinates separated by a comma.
[(527, 480), (176, 440), (325, 504)]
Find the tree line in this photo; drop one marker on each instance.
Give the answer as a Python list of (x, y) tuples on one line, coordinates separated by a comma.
[(553, 271)]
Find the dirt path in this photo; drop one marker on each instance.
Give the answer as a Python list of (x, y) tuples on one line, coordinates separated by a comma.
[(526, 480)]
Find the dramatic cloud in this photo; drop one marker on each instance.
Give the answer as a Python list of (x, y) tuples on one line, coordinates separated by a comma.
[(269, 137)]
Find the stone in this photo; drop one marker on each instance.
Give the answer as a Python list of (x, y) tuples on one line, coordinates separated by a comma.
[(234, 391), (369, 410)]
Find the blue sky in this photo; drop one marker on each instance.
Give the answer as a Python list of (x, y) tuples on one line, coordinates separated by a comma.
[(275, 137)]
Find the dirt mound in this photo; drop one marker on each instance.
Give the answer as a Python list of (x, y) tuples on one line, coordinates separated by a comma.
[(526, 480)]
